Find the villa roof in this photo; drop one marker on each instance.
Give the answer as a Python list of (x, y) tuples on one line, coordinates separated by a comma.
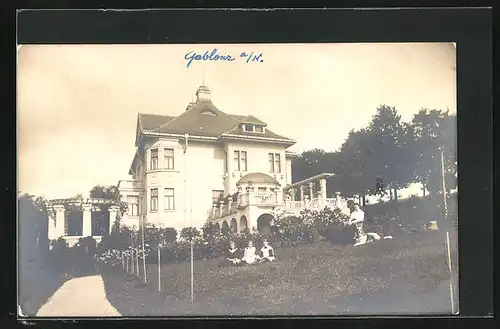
[(152, 121), (257, 178), (205, 120)]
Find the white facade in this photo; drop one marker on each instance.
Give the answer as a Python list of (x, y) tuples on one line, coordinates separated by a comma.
[(176, 184)]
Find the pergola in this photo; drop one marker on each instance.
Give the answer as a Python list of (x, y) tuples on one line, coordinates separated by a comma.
[(311, 183), (57, 208)]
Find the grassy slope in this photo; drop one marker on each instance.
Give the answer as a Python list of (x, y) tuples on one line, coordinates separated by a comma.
[(406, 275)]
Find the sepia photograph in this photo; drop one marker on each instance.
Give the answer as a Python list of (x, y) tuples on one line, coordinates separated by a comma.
[(251, 179)]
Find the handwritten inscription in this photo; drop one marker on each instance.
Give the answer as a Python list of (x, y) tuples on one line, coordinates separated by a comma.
[(192, 56)]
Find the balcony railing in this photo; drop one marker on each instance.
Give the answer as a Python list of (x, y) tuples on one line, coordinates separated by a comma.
[(244, 200), (263, 199)]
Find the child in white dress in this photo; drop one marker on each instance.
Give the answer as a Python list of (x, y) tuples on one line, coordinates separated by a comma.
[(249, 255)]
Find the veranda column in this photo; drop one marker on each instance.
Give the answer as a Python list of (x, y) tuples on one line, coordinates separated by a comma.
[(59, 231), (87, 220), (221, 205), (113, 212), (301, 193), (322, 183), (292, 194), (52, 228), (311, 190)]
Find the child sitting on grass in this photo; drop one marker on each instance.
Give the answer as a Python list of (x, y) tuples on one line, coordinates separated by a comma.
[(267, 252), (249, 255), (233, 254)]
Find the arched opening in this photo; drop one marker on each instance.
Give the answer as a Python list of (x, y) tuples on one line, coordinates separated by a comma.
[(264, 224), (243, 223), (225, 228), (234, 226), (217, 227)]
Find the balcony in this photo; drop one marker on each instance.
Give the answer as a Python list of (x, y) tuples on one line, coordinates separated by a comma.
[(244, 200)]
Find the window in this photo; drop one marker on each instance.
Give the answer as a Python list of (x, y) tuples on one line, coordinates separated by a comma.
[(133, 205), (261, 189), (154, 159), (240, 160), (169, 158), (216, 194), (277, 163), (208, 112), (274, 162), (243, 160), (259, 129), (154, 199), (248, 128), (169, 199)]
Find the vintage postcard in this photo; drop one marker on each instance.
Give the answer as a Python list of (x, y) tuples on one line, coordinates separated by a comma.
[(237, 179)]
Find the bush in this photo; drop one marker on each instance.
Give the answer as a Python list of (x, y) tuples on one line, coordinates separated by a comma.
[(331, 224), (189, 233), (59, 255), (290, 230)]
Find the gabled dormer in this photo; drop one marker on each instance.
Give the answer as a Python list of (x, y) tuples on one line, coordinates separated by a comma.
[(251, 124)]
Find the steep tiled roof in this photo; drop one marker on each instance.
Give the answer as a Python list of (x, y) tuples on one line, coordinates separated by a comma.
[(204, 119), (193, 122), (152, 121)]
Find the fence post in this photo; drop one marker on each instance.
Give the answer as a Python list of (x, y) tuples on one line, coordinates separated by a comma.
[(159, 267), (132, 262), (137, 263)]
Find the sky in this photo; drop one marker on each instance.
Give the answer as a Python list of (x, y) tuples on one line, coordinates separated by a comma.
[(78, 104)]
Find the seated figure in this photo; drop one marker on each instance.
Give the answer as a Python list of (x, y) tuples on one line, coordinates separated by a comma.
[(233, 254), (249, 255), (267, 252)]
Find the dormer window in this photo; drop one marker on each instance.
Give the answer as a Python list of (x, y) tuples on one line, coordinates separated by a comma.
[(209, 113), (252, 128)]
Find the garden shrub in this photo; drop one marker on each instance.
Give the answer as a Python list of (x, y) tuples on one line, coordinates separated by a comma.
[(331, 224), (290, 230), (59, 255)]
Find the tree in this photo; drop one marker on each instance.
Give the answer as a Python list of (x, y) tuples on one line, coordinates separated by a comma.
[(353, 170), (105, 192), (390, 158), (434, 132)]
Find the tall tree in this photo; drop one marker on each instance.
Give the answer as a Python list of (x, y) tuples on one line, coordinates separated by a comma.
[(390, 158), (105, 192), (354, 169), (434, 132)]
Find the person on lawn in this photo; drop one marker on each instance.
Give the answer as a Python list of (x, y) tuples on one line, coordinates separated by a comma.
[(267, 252), (357, 218), (249, 255), (233, 254)]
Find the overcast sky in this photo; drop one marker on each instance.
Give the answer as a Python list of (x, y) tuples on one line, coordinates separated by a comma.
[(78, 104)]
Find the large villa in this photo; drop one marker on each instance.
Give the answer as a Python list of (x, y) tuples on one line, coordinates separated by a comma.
[(206, 165)]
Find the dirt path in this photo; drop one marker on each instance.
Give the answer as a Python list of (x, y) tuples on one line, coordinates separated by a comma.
[(83, 296)]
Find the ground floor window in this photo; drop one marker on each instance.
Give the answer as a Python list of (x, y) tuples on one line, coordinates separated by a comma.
[(169, 199), (154, 199)]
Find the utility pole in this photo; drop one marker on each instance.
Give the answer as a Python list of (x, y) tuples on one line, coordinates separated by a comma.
[(445, 204)]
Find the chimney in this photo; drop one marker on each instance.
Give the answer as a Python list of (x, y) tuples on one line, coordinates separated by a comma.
[(203, 94)]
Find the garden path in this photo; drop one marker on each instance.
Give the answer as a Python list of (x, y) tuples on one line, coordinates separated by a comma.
[(84, 296)]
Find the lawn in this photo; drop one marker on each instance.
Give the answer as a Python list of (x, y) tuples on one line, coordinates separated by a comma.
[(406, 275)]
